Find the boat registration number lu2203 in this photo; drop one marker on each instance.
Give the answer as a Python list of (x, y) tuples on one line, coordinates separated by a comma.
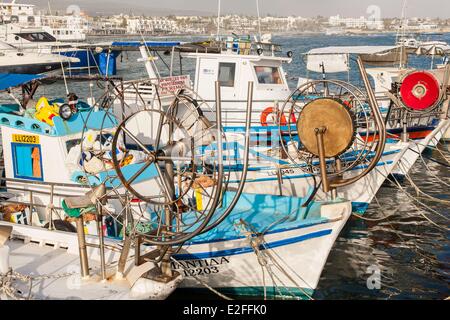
[(23, 138)]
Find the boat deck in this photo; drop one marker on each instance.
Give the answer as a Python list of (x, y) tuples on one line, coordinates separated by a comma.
[(64, 280)]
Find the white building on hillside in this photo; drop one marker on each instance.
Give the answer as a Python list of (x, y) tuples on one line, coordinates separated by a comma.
[(361, 22)]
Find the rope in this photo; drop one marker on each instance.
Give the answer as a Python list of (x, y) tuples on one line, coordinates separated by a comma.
[(386, 216), (7, 288), (396, 232), (435, 148), (398, 185), (256, 241), (431, 172), (427, 196), (420, 203)]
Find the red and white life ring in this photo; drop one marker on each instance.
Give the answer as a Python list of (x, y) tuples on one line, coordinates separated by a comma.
[(271, 112)]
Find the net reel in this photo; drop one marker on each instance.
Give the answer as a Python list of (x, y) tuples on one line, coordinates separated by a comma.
[(417, 98), (161, 162), (338, 128), (420, 92)]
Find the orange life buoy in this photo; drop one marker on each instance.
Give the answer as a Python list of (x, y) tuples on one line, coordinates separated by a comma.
[(271, 111)]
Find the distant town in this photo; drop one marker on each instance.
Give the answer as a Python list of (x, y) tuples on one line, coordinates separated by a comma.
[(129, 24), (124, 24)]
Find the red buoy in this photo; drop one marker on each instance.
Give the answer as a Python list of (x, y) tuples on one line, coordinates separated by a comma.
[(420, 90)]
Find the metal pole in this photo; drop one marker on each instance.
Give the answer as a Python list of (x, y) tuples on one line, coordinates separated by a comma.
[(259, 19), (82, 248), (172, 57), (31, 208), (101, 239), (137, 250), (405, 135), (334, 194), (323, 164), (124, 255), (246, 151), (50, 208), (381, 129), (218, 21)]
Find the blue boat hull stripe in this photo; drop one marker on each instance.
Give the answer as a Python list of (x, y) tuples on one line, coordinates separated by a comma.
[(305, 225), (243, 250)]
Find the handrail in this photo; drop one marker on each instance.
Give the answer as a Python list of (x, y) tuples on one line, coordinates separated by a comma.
[(67, 185)]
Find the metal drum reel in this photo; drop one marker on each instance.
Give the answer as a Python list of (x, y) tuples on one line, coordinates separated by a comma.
[(417, 98), (338, 128), (419, 92), (162, 163)]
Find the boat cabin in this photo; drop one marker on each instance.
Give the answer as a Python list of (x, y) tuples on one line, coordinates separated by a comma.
[(235, 62)]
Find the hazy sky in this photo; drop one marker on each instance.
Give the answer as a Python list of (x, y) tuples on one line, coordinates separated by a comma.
[(306, 8)]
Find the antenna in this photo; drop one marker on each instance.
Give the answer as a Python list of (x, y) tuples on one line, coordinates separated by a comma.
[(402, 32), (218, 21), (49, 8), (259, 19)]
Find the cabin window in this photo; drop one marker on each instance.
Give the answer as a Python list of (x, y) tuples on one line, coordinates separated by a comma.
[(37, 37), (268, 75), (227, 72), (27, 161)]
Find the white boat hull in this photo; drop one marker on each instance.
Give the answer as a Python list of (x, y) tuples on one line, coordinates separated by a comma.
[(228, 265), (233, 267), (299, 184)]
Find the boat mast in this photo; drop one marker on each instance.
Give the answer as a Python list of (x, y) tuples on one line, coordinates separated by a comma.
[(218, 22), (401, 33), (49, 8), (259, 19)]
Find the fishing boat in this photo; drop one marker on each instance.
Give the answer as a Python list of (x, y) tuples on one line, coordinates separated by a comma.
[(14, 61), (236, 60), (63, 28), (178, 214)]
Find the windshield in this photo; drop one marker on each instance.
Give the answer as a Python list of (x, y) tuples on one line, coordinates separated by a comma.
[(36, 37), (5, 46), (268, 75)]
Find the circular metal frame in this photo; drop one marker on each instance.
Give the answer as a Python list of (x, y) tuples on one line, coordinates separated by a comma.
[(364, 123), (186, 220)]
